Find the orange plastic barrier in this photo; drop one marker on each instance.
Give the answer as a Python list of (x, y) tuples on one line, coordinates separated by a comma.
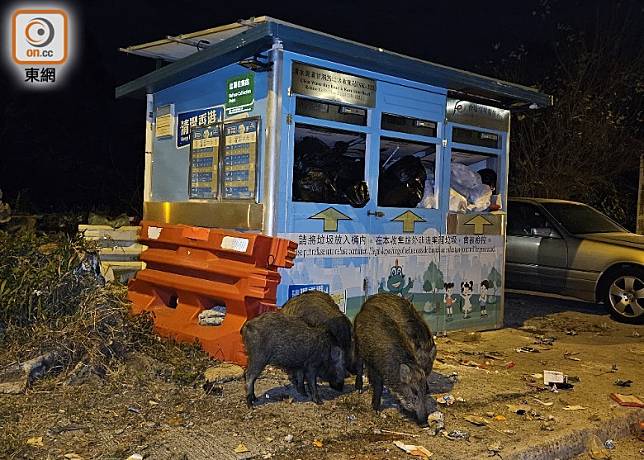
[(192, 269)]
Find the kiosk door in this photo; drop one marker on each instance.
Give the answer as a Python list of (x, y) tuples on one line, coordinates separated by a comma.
[(473, 261), (405, 217), (328, 199)]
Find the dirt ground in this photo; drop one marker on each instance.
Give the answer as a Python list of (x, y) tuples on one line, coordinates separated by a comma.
[(142, 407)]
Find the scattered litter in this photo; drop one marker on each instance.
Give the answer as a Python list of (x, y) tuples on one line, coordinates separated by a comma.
[(476, 420), (288, 438), (500, 418), (596, 449), (571, 356), (609, 444), (623, 383), (550, 377), (543, 403), (351, 418), (536, 376), (614, 368), (436, 422), (527, 350), (73, 456), (152, 402), (411, 449), (212, 317), (636, 334), (36, 441), (134, 409), (627, 400), (489, 414), (570, 332), (446, 399), (135, 457), (241, 449), (566, 386), (547, 426), (518, 409), (510, 364), (572, 408), (400, 433), (544, 340), (317, 443), (453, 377), (469, 363), (457, 435), (493, 355)]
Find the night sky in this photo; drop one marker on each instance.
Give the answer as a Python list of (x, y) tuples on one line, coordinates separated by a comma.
[(78, 148)]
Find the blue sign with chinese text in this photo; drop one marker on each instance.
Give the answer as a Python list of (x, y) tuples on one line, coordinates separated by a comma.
[(297, 289), (196, 118)]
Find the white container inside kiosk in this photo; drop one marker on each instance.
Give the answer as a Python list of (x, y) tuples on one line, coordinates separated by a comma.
[(386, 172)]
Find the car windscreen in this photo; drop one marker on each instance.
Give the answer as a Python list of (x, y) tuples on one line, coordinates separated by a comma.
[(578, 218)]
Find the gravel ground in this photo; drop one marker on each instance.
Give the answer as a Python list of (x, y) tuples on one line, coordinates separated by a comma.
[(139, 408)]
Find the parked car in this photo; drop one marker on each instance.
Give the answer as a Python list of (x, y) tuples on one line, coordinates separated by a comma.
[(571, 249)]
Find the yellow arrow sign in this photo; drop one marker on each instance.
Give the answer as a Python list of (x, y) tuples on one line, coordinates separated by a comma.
[(409, 220), (331, 216), (479, 223)]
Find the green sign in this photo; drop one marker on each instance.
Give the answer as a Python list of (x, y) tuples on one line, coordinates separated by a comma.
[(240, 94)]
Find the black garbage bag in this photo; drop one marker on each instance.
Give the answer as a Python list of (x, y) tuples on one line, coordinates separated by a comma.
[(349, 182), (402, 184), (327, 175), (313, 185)]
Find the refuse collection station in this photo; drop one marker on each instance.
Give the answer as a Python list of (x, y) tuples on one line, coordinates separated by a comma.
[(280, 159)]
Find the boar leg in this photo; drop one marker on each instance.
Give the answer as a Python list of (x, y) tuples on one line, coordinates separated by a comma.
[(312, 380), (359, 368), (299, 381), (376, 384), (252, 372)]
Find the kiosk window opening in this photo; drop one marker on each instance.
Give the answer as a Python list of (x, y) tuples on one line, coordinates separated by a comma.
[(408, 125), (329, 166), (330, 111), (473, 137), (407, 174), (473, 182)]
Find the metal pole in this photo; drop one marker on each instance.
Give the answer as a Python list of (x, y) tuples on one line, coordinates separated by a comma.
[(273, 126), (149, 119)]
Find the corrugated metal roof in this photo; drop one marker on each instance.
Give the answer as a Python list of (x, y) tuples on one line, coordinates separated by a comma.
[(191, 57)]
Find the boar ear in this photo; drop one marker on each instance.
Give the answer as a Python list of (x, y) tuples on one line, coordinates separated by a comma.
[(405, 373)]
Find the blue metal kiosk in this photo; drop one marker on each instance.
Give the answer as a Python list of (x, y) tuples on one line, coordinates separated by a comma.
[(346, 149)]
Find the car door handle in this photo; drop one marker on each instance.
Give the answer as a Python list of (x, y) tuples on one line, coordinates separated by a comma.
[(376, 213)]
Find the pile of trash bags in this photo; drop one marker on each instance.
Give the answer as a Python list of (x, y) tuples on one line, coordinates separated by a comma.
[(326, 174), (467, 191), (408, 184)]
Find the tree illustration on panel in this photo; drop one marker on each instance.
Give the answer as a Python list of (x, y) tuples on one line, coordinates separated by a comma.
[(432, 281), (495, 279)]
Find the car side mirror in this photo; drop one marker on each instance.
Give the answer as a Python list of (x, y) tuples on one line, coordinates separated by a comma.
[(544, 232)]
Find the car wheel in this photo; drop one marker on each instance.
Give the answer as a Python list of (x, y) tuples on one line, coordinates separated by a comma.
[(624, 295)]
